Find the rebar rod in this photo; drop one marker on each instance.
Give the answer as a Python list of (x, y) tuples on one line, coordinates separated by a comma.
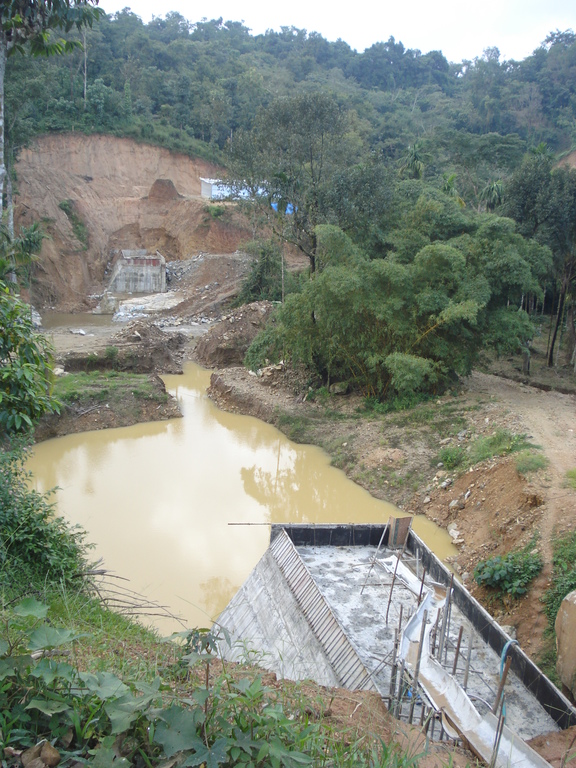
[(394, 575), (468, 658), (449, 621), (434, 634), (457, 649), (398, 708), (393, 671), (421, 586), (501, 685)]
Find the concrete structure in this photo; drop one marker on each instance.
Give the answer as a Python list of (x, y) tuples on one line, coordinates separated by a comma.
[(214, 189), (316, 607), (138, 272)]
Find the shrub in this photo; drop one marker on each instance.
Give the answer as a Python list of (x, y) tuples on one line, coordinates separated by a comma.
[(452, 456), (35, 546), (563, 575), (511, 573), (111, 354), (528, 461)]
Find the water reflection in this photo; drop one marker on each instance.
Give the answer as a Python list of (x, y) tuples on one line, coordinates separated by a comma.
[(157, 499)]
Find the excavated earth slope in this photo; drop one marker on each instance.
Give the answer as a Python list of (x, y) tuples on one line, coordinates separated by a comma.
[(118, 194)]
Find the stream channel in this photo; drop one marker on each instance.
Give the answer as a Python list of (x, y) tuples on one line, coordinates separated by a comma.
[(157, 499)]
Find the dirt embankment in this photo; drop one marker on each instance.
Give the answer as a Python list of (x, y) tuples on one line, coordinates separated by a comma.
[(97, 194)]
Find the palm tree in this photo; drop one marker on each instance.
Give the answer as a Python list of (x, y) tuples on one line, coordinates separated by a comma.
[(449, 188), (17, 254), (491, 195), (414, 161)]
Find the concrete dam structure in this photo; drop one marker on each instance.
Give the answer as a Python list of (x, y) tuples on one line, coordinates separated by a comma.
[(138, 272), (370, 607)]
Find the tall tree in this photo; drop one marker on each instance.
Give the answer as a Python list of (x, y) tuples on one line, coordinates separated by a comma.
[(543, 200), (26, 25), (297, 147)]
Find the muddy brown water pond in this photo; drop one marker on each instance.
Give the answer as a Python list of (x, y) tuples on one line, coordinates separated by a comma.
[(157, 499)]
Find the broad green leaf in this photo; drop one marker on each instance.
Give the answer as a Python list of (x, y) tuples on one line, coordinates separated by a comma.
[(212, 757), (49, 670), (8, 666), (104, 684), (31, 607), (106, 757), (123, 711), (177, 730), (50, 637), (48, 706), (4, 647)]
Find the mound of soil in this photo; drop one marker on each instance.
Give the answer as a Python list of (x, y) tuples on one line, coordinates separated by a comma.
[(139, 348), (162, 190), (226, 343)]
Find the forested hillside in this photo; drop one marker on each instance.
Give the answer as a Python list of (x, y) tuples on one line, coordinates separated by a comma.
[(179, 83), (426, 194)]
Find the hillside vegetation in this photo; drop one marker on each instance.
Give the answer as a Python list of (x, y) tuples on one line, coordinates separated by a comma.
[(437, 221)]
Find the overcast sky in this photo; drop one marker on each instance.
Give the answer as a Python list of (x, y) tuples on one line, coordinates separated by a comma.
[(461, 30)]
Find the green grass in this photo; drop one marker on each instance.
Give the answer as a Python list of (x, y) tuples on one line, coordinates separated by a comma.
[(296, 428), (528, 461), (106, 386), (571, 478), (501, 443), (452, 456)]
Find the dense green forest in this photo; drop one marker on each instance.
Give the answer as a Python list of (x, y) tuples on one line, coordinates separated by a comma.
[(426, 194), (179, 83)]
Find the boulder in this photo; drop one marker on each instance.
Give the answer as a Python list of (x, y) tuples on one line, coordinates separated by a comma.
[(565, 632)]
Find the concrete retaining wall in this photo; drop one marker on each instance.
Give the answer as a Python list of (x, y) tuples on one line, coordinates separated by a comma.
[(138, 272), (551, 699)]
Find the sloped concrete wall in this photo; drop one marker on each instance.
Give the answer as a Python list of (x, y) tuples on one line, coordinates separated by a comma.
[(267, 626)]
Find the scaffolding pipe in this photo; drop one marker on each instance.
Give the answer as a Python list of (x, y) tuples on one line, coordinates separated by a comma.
[(417, 668), (394, 575), (445, 619)]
